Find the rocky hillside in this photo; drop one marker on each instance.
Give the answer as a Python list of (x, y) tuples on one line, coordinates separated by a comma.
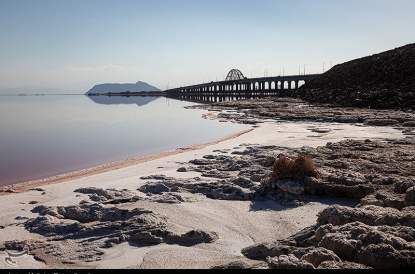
[(383, 81)]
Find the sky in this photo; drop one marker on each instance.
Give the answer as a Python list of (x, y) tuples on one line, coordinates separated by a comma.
[(71, 45)]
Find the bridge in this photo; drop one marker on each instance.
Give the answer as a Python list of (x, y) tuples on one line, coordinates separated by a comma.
[(236, 85)]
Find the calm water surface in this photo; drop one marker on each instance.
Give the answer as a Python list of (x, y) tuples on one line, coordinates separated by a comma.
[(42, 136)]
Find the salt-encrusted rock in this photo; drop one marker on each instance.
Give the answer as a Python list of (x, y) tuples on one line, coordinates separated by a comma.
[(288, 262), (90, 226), (37, 189), (168, 198), (275, 249), (291, 186), (107, 195), (221, 190), (242, 265), (315, 186), (154, 177), (49, 226), (370, 215), (244, 182), (384, 256), (319, 255), (195, 237), (155, 188), (410, 196), (402, 186), (342, 265), (384, 198), (381, 122), (182, 169)]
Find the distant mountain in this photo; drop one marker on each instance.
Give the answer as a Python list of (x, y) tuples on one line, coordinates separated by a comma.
[(119, 88)]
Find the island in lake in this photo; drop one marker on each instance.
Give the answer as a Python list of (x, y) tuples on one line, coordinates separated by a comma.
[(125, 89)]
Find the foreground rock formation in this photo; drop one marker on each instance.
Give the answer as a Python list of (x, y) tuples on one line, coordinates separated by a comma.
[(379, 176), (81, 233), (378, 233)]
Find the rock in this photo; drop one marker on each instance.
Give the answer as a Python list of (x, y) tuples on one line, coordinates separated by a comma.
[(182, 169), (8, 189), (221, 190), (33, 202), (384, 198), (49, 226), (107, 195), (402, 186), (321, 130), (244, 182), (409, 124), (367, 245), (44, 210), (201, 162), (241, 265), (154, 188), (370, 215), (146, 238), (384, 256), (381, 122), (319, 255), (20, 218), (267, 161), (264, 250), (195, 237), (37, 189), (168, 198), (410, 196), (314, 186), (86, 227), (216, 174), (288, 262), (290, 186), (154, 177), (341, 265)]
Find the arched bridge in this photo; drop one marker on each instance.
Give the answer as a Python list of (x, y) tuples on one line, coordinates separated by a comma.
[(237, 85)]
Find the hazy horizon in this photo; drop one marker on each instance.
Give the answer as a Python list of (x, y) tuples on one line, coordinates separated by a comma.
[(69, 46)]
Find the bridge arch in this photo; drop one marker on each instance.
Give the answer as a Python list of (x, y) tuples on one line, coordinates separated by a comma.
[(234, 75), (293, 84), (266, 85), (286, 85)]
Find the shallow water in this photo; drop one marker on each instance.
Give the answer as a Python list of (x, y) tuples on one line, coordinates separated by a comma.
[(42, 136)]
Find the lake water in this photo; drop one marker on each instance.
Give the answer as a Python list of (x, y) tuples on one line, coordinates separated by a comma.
[(42, 136)]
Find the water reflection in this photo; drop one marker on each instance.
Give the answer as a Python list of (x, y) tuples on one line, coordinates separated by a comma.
[(43, 136), (122, 100)]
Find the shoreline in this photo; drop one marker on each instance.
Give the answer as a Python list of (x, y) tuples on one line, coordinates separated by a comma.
[(227, 222), (77, 174)]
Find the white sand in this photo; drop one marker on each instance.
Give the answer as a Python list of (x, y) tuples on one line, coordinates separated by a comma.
[(236, 223)]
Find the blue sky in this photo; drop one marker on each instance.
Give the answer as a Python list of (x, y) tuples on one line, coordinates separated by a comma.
[(70, 45)]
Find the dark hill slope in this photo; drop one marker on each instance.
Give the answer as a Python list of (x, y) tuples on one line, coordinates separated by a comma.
[(385, 81)]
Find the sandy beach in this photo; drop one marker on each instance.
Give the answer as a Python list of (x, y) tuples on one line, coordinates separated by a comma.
[(234, 224)]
